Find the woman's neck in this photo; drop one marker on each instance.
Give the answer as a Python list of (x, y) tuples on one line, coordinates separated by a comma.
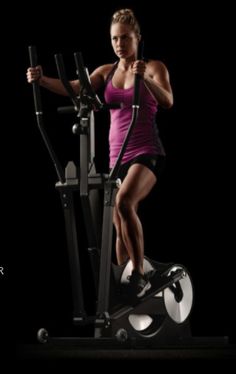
[(125, 63)]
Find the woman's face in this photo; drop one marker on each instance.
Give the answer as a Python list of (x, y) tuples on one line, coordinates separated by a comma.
[(124, 40)]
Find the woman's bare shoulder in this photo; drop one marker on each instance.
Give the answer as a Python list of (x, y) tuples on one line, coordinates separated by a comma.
[(104, 70), (156, 65)]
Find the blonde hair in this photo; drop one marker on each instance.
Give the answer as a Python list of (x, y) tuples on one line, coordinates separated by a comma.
[(127, 17)]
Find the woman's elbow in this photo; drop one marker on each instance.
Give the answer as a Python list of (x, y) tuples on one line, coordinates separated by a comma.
[(168, 103)]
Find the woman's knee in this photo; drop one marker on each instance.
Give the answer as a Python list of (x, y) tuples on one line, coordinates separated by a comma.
[(124, 205)]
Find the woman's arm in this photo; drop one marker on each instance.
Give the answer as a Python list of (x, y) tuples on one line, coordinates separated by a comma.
[(52, 84), (55, 85), (156, 78)]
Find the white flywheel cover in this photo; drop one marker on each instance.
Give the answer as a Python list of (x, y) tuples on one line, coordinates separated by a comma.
[(179, 311)]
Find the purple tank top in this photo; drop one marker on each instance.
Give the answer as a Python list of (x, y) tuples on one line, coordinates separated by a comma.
[(144, 138)]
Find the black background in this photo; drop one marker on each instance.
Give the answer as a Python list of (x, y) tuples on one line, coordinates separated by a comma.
[(192, 206)]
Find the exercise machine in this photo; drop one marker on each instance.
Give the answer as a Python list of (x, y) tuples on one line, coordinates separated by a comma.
[(162, 315)]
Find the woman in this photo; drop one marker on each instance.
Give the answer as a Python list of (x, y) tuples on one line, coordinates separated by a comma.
[(144, 155)]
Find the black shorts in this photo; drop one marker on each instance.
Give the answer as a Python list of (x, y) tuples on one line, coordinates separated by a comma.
[(156, 163)]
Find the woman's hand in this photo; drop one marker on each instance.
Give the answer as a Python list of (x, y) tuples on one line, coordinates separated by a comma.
[(34, 74), (138, 67)]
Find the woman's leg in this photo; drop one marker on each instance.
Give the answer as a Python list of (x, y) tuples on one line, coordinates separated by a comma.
[(136, 186)]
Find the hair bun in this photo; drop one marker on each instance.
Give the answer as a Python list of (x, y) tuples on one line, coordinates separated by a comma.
[(126, 16), (123, 13)]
